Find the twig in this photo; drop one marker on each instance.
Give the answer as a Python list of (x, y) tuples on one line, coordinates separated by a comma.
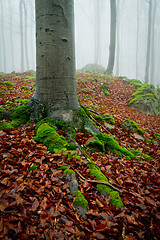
[(98, 182)]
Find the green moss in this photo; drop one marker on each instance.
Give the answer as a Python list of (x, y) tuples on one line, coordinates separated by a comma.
[(106, 92), (105, 142), (3, 87), (132, 126), (8, 83), (109, 119), (83, 114), (6, 125), (80, 200), (29, 92), (98, 118), (50, 138), (24, 87), (139, 153), (94, 106), (151, 141), (157, 135), (95, 171), (68, 171), (17, 122), (21, 112)]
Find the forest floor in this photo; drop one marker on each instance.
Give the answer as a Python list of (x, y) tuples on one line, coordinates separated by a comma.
[(37, 203)]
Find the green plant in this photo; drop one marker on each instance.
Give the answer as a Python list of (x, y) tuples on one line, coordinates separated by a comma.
[(8, 83), (24, 87), (29, 92), (115, 198)]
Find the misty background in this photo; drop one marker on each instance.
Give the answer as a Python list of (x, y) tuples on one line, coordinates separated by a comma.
[(92, 36)]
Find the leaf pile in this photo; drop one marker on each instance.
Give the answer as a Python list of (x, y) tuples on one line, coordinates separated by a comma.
[(35, 201)]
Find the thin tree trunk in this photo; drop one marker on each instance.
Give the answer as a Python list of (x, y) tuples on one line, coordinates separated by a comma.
[(21, 34), (97, 31), (118, 38), (110, 66), (152, 69), (137, 44), (11, 34), (3, 38), (26, 36), (148, 43)]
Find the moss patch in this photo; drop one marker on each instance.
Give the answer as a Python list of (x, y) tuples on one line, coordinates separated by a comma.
[(109, 119), (157, 135), (129, 125), (105, 142), (50, 138), (115, 198), (80, 200), (139, 153), (6, 125)]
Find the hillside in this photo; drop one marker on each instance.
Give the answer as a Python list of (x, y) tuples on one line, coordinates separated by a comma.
[(35, 199)]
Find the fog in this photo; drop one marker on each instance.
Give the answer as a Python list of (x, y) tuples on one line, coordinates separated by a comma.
[(92, 36)]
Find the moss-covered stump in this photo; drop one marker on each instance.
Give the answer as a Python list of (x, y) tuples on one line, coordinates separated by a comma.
[(104, 142), (146, 100), (129, 125), (103, 189)]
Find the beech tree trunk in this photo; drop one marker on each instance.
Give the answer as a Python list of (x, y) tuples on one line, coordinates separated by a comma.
[(3, 38), (55, 54), (21, 33), (148, 42), (110, 66)]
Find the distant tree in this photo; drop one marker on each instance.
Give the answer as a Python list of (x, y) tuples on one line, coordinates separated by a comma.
[(11, 33), (110, 66), (118, 37), (21, 34), (137, 36), (26, 34), (2, 34), (55, 53), (150, 2), (97, 5), (153, 29)]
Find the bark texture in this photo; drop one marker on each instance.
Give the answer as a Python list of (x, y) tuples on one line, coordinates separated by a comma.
[(110, 66), (55, 53)]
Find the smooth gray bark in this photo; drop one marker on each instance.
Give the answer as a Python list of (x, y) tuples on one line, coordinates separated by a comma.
[(21, 34), (118, 38), (137, 39), (110, 66), (148, 42), (11, 33), (55, 54), (153, 30), (26, 36), (3, 38), (97, 30)]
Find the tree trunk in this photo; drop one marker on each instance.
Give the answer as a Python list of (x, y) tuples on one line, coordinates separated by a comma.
[(97, 30), (137, 40), (148, 43), (55, 54), (26, 36), (110, 66), (11, 34), (21, 33), (118, 38), (3, 39), (152, 65)]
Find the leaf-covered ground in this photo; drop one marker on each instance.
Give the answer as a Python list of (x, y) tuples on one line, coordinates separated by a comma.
[(35, 203)]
